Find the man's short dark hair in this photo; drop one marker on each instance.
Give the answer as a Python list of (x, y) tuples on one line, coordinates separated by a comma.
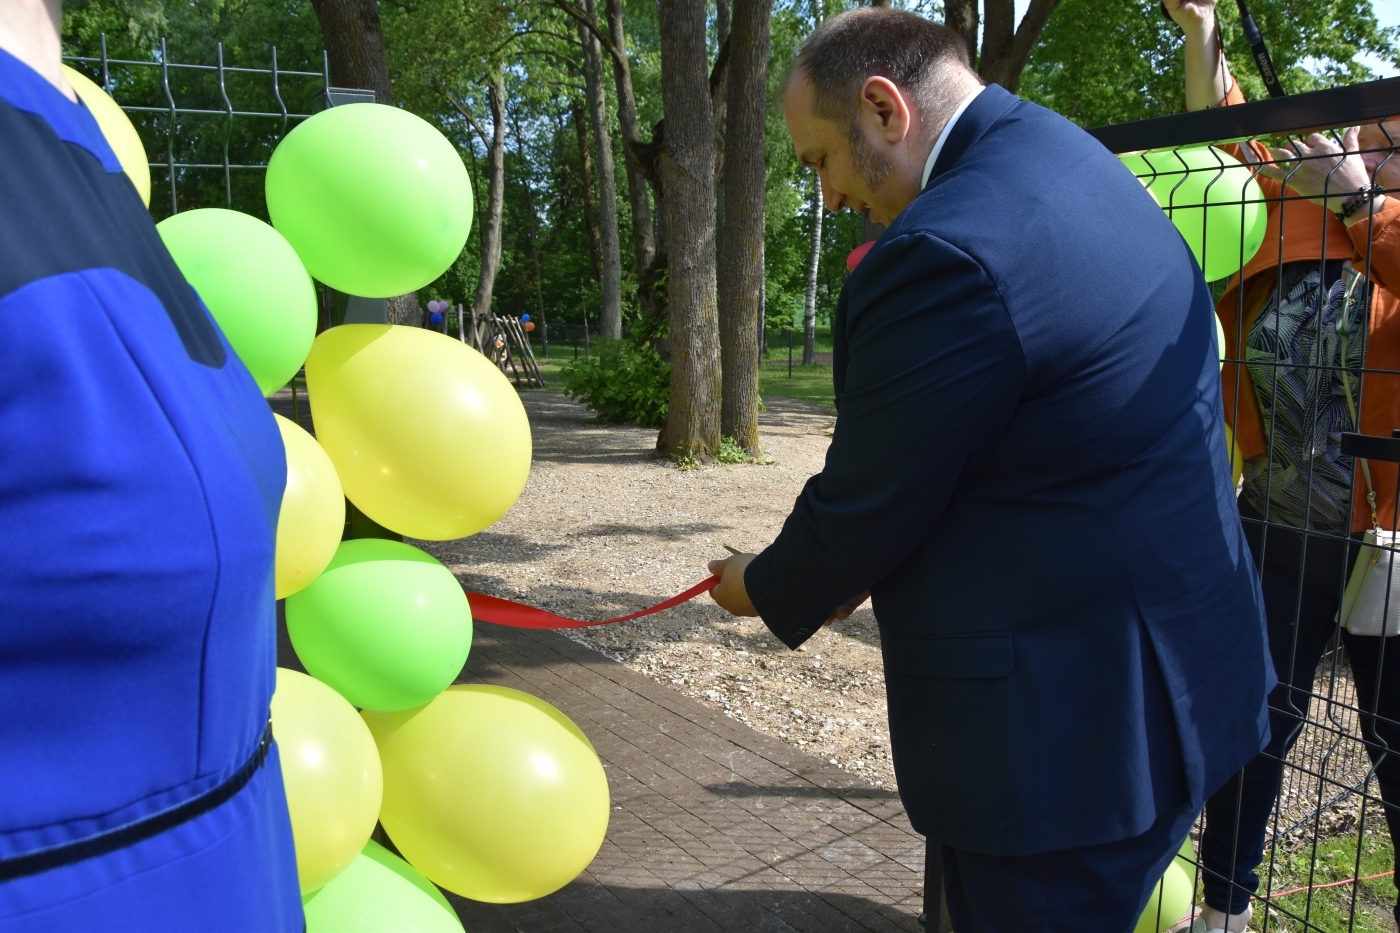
[(846, 50)]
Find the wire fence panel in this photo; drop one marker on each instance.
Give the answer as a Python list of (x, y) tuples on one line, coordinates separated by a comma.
[(1311, 359), (208, 129)]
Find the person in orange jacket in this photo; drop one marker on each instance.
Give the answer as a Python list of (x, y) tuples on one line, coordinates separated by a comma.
[(1324, 287)]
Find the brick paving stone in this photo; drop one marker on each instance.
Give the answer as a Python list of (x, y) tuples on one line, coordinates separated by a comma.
[(720, 828)]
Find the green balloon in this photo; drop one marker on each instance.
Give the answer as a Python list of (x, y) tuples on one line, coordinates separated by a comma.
[(1212, 199), (378, 892), (376, 201), (385, 625), (254, 285)]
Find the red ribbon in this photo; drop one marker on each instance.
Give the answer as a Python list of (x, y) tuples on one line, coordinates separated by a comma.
[(517, 615)]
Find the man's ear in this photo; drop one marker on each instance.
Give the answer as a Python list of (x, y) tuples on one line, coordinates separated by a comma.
[(884, 107)]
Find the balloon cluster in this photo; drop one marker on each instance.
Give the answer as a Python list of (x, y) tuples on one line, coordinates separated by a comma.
[(1212, 199), (491, 793), (525, 322), (436, 310)]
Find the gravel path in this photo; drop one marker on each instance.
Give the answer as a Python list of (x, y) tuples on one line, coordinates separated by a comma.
[(603, 529)]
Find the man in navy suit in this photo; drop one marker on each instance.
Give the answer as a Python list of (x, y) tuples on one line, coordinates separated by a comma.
[(1029, 477)]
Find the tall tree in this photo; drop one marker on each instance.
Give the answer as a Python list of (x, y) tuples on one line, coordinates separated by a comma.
[(495, 197), (355, 49), (814, 256), (1006, 47), (610, 318), (643, 242), (740, 273), (590, 204), (635, 150), (687, 173), (814, 259), (355, 45)]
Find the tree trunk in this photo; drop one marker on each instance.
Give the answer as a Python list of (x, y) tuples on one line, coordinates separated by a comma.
[(355, 52), (495, 197), (533, 226), (590, 207), (740, 273), (404, 309), (610, 318), (809, 309), (687, 173), (961, 17), (1007, 47), (643, 243), (719, 100), (355, 45)]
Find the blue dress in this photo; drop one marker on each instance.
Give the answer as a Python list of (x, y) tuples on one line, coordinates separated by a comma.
[(141, 474)]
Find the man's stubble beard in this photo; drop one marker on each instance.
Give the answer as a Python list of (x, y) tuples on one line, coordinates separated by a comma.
[(872, 166)]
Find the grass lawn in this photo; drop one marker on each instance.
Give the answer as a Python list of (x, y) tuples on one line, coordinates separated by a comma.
[(1331, 908), (809, 383)]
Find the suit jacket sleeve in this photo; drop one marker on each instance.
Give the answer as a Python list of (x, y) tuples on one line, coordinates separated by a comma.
[(933, 372)]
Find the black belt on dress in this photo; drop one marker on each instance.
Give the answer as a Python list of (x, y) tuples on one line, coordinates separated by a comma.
[(32, 863)]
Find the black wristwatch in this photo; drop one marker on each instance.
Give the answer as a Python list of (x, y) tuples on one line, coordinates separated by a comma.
[(1351, 205)]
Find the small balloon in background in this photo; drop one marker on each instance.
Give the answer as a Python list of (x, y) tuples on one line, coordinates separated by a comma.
[(253, 284), (331, 772), (376, 200), (435, 319), (525, 319), (428, 437), (385, 624), (1212, 199), (492, 793), (529, 326), (312, 519), (379, 892), (117, 129), (1171, 899)]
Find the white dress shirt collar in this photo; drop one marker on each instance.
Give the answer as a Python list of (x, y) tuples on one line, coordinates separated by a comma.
[(943, 136)]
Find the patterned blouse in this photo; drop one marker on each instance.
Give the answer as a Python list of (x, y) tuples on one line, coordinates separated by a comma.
[(1294, 354)]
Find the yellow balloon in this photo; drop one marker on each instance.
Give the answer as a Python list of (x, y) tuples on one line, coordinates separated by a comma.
[(491, 793), (429, 438), (1236, 457), (331, 771), (121, 135), (1170, 901), (312, 519)]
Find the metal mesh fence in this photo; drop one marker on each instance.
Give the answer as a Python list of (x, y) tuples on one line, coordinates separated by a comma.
[(210, 128), (1311, 349)]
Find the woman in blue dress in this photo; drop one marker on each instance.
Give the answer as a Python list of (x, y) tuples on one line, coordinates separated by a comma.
[(140, 479)]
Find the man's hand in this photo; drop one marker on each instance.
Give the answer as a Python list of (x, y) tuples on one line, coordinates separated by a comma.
[(843, 611), (731, 594), (1321, 171)]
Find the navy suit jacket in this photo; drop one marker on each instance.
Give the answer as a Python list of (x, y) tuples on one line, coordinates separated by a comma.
[(1028, 472)]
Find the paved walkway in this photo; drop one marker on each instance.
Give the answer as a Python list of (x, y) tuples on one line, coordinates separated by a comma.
[(715, 827)]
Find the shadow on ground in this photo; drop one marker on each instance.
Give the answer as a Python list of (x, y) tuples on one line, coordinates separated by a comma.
[(618, 909)]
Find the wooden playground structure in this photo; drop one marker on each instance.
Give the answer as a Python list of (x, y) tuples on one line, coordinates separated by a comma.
[(502, 339)]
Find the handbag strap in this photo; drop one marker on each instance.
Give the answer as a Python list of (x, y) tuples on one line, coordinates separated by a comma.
[(1345, 332)]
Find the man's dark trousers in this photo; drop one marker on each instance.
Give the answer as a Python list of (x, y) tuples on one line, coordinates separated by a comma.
[(1029, 475)]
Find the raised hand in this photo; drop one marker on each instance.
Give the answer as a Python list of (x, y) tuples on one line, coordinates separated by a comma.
[(1320, 170)]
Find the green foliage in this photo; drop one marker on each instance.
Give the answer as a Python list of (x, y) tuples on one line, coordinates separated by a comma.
[(730, 451), (1100, 63), (623, 381)]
